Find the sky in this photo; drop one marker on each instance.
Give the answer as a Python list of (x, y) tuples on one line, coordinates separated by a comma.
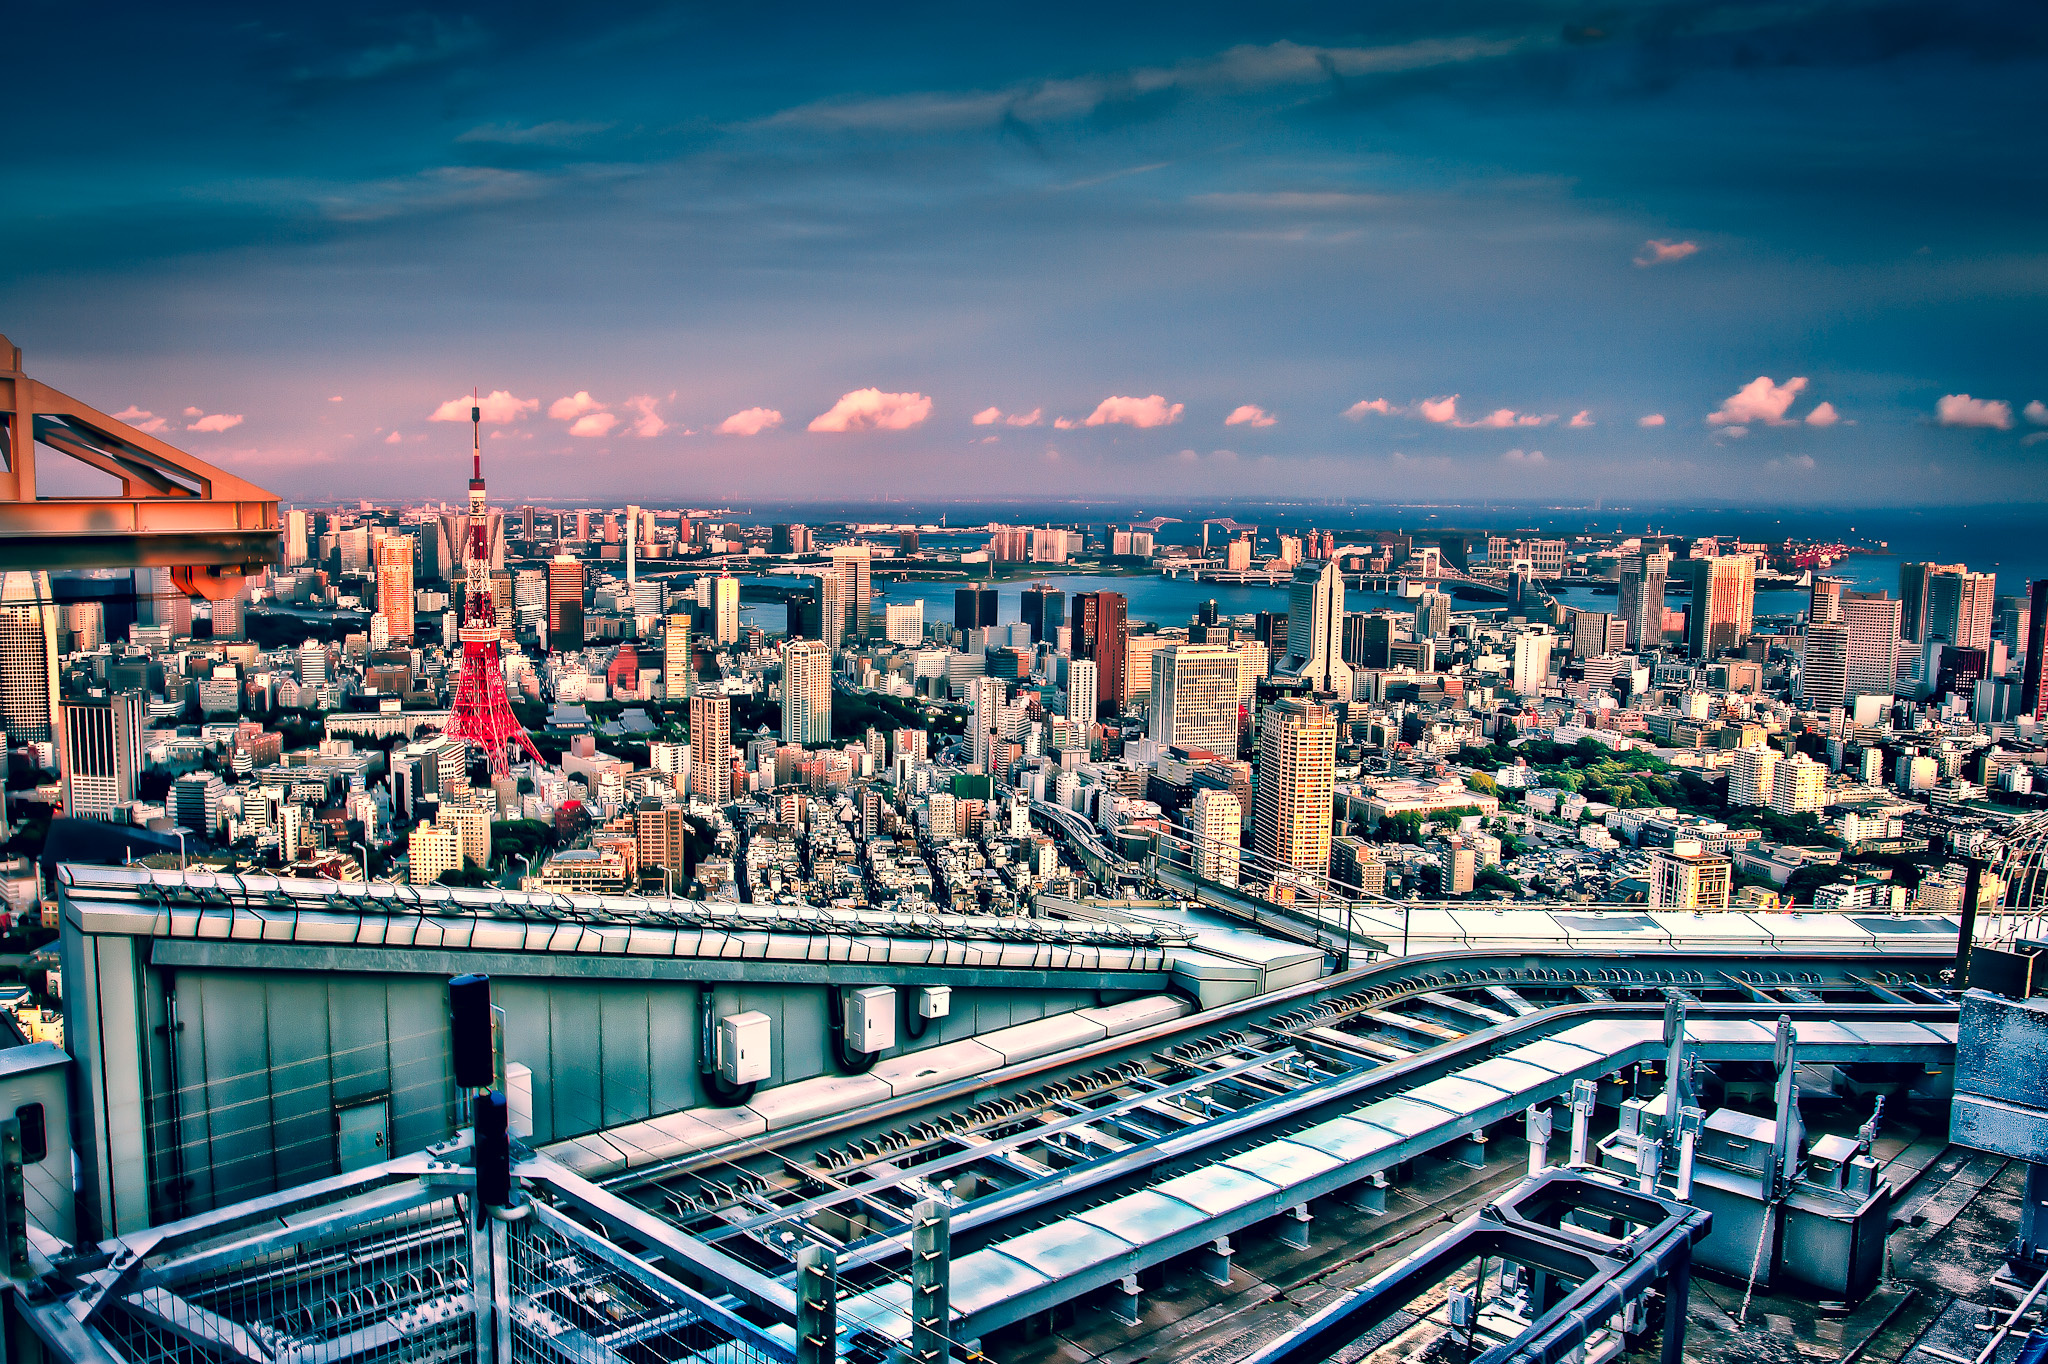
[(1759, 253)]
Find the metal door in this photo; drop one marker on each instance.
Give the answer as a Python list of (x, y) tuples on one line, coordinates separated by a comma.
[(363, 1134)]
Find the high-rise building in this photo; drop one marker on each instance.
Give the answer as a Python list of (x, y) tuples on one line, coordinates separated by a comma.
[(102, 757), (1687, 876), (1913, 584), (1959, 609), (565, 603), (1315, 630), (1045, 611), (1598, 632), (1216, 827), (906, 544), (1194, 697), (1824, 665), (1081, 692), (1101, 633), (1432, 615), (725, 610), (830, 624), (1873, 621), (295, 539), (1723, 600), (2033, 696), (1642, 599), (1530, 666), (974, 608), (806, 692), (854, 563), (1800, 786), (789, 539), (1368, 640), (28, 659), (903, 622), (985, 698), (661, 835), (1296, 780), (1752, 774), (711, 747), (394, 584), (1824, 601)]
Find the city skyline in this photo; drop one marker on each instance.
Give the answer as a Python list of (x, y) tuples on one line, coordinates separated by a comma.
[(1465, 254)]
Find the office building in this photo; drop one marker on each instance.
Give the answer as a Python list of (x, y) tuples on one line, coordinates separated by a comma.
[(1355, 868), (1194, 697), (725, 609), (1101, 634), (1045, 611), (1751, 774), (28, 659), (1368, 640), (1642, 599), (903, 622), (1530, 666), (1081, 692), (806, 692), (1913, 585), (854, 564), (677, 674), (1216, 828), (1824, 664), (1296, 779), (1457, 863), (295, 539), (102, 754), (1824, 601), (1799, 786), (1875, 624), (661, 836), (826, 618), (789, 539), (1432, 615), (974, 608), (1723, 600), (471, 825), (432, 851), (1315, 630), (1959, 609), (565, 603), (1598, 632), (2033, 696), (1685, 876), (394, 584), (711, 748)]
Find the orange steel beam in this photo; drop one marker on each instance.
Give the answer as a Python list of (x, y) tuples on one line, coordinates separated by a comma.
[(173, 511)]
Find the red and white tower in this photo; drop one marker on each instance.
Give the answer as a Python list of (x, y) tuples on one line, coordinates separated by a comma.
[(483, 713)]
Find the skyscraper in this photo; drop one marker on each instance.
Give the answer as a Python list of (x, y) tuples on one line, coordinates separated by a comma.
[(102, 758), (1194, 697), (1874, 642), (985, 697), (855, 567), (1081, 691), (1531, 663), (565, 603), (806, 692), (2032, 694), (974, 608), (676, 673), (1959, 609), (394, 584), (1824, 601), (28, 659), (1723, 599), (831, 621), (1642, 599), (1368, 640), (1296, 779), (1101, 632), (711, 747), (1913, 583), (295, 539), (1315, 630), (1432, 615), (1824, 665), (1216, 826), (1045, 611), (725, 609)]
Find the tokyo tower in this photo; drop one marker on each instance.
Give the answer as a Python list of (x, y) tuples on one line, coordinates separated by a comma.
[(483, 713)]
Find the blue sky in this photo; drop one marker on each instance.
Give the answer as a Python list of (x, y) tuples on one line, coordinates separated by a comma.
[(744, 253)]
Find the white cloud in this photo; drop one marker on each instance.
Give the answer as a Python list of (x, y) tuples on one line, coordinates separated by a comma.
[(394, 438), (219, 421), (1358, 410), (1526, 458), (140, 419), (1249, 415), (750, 422), (2036, 412), (570, 408), (1064, 423), (593, 424), (1654, 419), (1141, 412), (1439, 409), (870, 409), (1582, 418), (1799, 462), (1657, 251), (1759, 400), (497, 406), (988, 416), (1504, 417), (1024, 418), (1960, 409), (1823, 415), (646, 421)]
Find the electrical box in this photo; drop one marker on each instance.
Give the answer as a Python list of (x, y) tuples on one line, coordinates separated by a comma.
[(871, 1018), (934, 1001), (743, 1048)]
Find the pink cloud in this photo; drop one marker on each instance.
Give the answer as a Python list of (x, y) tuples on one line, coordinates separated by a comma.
[(570, 408), (140, 419), (1583, 418), (195, 411), (593, 424), (335, 399), (1503, 417), (219, 421), (1250, 415), (1358, 409), (2036, 412), (1525, 458), (497, 407), (394, 438), (646, 421), (1659, 252), (1759, 400), (1960, 409), (870, 409), (1823, 415), (1654, 419), (751, 422), (988, 416), (1439, 409), (1064, 423), (1140, 412), (1024, 418)]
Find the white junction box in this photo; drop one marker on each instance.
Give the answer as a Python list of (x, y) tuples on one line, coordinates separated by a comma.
[(934, 1001), (744, 1057), (871, 1018)]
